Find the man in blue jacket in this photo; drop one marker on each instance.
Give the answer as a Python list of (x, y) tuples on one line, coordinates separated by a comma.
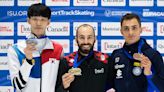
[(138, 67)]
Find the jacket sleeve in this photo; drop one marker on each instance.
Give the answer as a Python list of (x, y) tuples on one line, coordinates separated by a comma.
[(111, 72), (63, 68), (156, 80), (19, 73)]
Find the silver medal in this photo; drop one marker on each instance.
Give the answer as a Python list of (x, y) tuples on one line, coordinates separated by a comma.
[(137, 71)]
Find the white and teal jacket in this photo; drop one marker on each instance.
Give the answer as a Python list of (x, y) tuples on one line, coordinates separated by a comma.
[(38, 77)]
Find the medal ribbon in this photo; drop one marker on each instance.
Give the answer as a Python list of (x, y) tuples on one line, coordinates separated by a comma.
[(77, 63), (139, 49)]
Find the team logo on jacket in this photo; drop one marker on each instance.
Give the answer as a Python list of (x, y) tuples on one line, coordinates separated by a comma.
[(71, 60), (102, 57), (52, 60), (99, 71), (119, 74), (117, 59)]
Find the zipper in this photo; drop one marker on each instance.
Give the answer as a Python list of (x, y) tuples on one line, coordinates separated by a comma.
[(127, 74)]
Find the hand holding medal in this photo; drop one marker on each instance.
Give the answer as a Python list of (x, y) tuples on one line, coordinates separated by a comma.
[(30, 47), (67, 79), (145, 62)]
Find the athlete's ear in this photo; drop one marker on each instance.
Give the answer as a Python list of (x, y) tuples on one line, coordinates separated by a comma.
[(28, 20)]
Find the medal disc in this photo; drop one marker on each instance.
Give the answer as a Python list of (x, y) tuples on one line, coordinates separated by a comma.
[(75, 71), (137, 71), (137, 56)]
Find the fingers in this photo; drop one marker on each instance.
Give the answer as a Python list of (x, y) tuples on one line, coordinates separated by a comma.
[(111, 90), (67, 78), (29, 50), (146, 64), (31, 46)]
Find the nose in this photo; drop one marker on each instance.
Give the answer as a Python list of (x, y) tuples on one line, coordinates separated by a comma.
[(130, 31), (86, 41), (38, 22)]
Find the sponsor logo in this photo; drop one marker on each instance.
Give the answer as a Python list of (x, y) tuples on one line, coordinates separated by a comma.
[(6, 28), (6, 2), (147, 29), (160, 28), (85, 2), (107, 46), (99, 71), (160, 2), (150, 42), (23, 28), (4, 45), (110, 29), (160, 46), (28, 2), (141, 2), (73, 12), (3, 63), (65, 44), (113, 2), (16, 13), (109, 13), (148, 13), (58, 29), (77, 24), (58, 2), (117, 66), (6, 89)]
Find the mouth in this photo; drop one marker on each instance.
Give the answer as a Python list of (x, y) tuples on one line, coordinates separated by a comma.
[(38, 28), (86, 47)]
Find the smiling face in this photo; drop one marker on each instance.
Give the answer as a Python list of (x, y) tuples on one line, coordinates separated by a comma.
[(38, 25), (131, 30), (85, 38)]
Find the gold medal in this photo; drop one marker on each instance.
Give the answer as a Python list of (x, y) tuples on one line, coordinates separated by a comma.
[(75, 71), (137, 56)]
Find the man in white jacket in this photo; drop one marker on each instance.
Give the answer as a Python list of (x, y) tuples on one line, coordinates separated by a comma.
[(33, 63)]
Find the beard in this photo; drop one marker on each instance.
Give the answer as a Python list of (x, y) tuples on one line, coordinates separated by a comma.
[(85, 50)]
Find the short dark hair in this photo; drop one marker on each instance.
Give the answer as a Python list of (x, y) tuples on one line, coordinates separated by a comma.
[(130, 16), (39, 9), (85, 25)]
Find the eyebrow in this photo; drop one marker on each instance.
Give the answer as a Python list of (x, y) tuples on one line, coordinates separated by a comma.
[(130, 26)]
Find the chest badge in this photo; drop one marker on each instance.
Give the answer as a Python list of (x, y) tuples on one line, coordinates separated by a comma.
[(119, 74), (99, 71), (117, 59)]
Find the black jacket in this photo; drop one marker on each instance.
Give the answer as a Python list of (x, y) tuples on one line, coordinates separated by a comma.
[(96, 73), (126, 81)]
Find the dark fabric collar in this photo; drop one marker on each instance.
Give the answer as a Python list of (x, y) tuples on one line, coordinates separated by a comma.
[(133, 48)]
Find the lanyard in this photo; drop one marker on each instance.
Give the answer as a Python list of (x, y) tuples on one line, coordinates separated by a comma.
[(77, 63), (139, 49)]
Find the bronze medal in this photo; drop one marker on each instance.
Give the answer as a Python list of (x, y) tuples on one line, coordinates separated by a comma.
[(137, 56)]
